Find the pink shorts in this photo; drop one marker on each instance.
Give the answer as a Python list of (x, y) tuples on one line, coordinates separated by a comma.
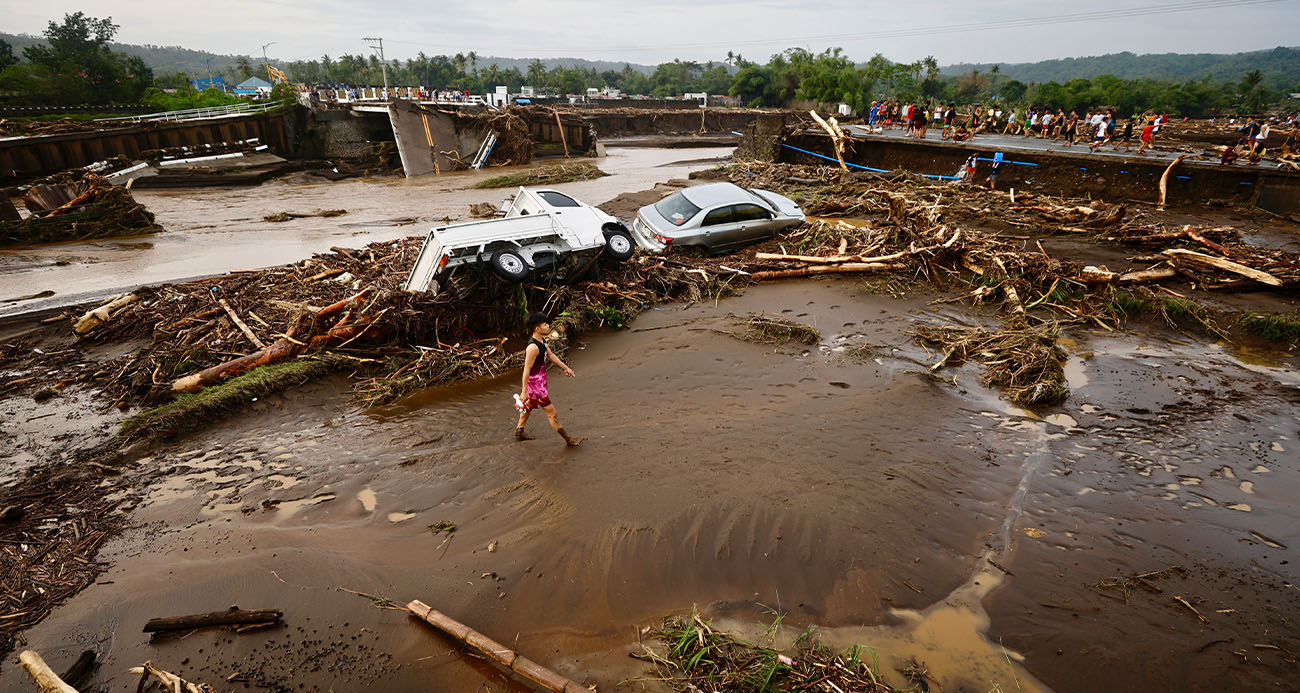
[(538, 395)]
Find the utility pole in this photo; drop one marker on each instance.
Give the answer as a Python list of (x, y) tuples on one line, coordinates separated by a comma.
[(267, 61), (377, 44)]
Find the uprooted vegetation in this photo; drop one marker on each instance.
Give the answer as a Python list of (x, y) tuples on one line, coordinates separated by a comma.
[(347, 305), (764, 329), (700, 658), (74, 205), (1026, 362), (544, 175)]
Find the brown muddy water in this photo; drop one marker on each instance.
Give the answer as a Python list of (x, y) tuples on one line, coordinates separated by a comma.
[(215, 230), (884, 507)]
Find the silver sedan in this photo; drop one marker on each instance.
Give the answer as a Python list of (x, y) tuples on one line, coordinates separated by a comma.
[(717, 217)]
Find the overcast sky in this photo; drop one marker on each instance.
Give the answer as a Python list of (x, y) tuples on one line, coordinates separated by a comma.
[(653, 32)]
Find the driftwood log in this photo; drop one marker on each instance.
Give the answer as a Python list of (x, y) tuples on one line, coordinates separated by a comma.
[(494, 650), (101, 315), (1225, 265), (828, 269), (171, 682), (233, 616), (1164, 180), (46, 679)]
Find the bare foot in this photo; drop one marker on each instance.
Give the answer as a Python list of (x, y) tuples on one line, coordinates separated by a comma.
[(521, 434), (574, 442)]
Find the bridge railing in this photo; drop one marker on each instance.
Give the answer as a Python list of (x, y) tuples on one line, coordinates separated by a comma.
[(200, 113)]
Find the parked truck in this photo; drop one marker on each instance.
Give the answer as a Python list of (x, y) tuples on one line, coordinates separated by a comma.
[(533, 231)]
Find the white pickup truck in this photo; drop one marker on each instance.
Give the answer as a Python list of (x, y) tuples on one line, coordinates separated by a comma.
[(533, 230)]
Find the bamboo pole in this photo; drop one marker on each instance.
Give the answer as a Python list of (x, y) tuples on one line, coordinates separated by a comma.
[(46, 679), (494, 650)]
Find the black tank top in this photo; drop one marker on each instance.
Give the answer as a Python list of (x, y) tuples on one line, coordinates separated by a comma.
[(540, 362)]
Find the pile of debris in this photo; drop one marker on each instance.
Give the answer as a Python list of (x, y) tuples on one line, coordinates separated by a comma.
[(34, 128), (73, 205)]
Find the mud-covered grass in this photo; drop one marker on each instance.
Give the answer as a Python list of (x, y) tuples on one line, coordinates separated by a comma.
[(764, 329), (700, 658), (1026, 362), (1277, 327), (192, 411), (1176, 311), (545, 175)]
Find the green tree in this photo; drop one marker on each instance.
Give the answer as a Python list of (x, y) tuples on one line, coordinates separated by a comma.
[(243, 67), (7, 56), (75, 66)]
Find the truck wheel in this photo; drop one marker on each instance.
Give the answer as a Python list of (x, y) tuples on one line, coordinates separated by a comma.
[(619, 245), (509, 265)]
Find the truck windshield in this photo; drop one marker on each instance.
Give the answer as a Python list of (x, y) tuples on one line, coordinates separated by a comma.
[(676, 209)]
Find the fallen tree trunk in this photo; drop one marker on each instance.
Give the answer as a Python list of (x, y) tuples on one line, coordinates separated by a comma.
[(1099, 275), (493, 650), (46, 679), (101, 315), (837, 137), (1225, 265), (230, 617), (828, 269)]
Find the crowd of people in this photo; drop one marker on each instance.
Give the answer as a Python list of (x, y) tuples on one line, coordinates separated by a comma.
[(1093, 129)]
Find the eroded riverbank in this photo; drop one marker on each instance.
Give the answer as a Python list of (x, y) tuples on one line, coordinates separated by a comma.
[(746, 479)]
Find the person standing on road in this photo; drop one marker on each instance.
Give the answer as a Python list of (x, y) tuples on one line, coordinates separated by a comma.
[(1011, 127), (1257, 142), (535, 394), (1070, 127)]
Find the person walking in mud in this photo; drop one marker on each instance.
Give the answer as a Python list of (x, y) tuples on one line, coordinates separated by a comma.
[(534, 394)]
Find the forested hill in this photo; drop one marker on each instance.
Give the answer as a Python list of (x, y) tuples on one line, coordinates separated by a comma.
[(168, 60), (1281, 67)]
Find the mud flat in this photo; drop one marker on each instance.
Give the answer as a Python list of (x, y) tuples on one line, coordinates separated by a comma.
[(860, 484), (885, 508)]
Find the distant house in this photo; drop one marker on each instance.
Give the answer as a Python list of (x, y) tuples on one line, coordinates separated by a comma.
[(253, 86)]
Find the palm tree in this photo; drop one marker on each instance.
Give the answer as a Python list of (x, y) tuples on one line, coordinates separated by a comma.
[(931, 67), (243, 67), (473, 61), (537, 72)]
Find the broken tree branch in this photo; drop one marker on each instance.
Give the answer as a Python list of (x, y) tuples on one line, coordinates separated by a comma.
[(101, 315), (493, 650), (234, 317)]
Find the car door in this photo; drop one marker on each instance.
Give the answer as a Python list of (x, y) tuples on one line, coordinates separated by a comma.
[(752, 223), (716, 228)]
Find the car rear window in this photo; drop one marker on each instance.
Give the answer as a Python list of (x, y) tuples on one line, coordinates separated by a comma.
[(555, 199), (676, 209)]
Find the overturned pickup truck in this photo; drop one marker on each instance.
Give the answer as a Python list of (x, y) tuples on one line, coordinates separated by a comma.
[(535, 230)]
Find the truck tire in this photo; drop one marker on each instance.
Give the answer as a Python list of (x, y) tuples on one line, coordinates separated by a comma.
[(509, 265), (619, 244)]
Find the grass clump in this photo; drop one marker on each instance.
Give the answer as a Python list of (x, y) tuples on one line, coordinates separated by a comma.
[(1026, 362), (699, 658), (776, 331), (192, 411), (545, 175), (1276, 327), (1174, 310)]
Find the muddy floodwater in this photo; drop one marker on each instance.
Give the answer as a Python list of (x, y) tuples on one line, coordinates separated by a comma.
[(924, 519), (215, 230)]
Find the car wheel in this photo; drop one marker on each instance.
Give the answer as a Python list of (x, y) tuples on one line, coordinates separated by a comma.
[(509, 265), (619, 245)]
